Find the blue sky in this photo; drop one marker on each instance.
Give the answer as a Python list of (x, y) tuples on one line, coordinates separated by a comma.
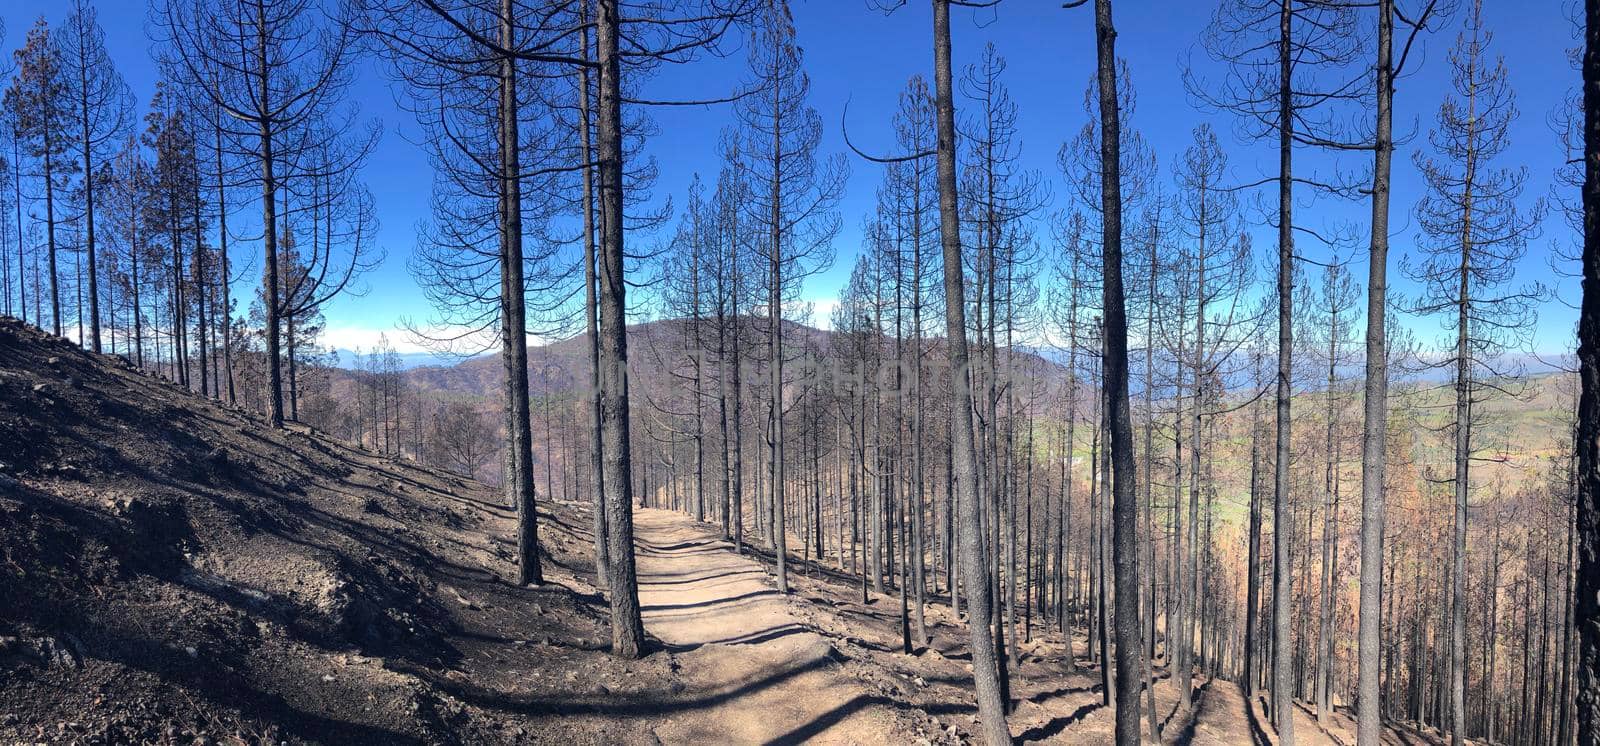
[(858, 54)]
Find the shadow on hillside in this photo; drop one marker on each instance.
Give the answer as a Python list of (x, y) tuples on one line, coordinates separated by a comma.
[(1059, 724), (91, 546)]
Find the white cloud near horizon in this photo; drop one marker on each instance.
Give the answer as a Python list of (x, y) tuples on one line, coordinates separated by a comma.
[(363, 338), (822, 312)]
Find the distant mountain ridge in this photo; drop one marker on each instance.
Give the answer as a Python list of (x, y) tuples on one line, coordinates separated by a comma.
[(408, 360), (559, 366)]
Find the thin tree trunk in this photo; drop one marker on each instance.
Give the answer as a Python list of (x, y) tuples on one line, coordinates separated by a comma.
[(1119, 420), (985, 674), (919, 621), (1491, 702), (1324, 680), (180, 317), (602, 558), (514, 340), (16, 203), (222, 244), (269, 229), (50, 224), (1376, 399), (1564, 704), (780, 544), (1067, 463), (1282, 646), (199, 283), (87, 145), (1189, 575), (1463, 431), (1099, 641), (737, 423), (1150, 453)]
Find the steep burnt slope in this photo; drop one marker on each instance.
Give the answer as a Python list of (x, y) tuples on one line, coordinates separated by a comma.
[(171, 570)]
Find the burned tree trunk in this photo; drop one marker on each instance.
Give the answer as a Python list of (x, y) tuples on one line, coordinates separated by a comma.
[(985, 674), (514, 338), (627, 626), (1586, 612), (602, 551), (1119, 420), (1369, 702)]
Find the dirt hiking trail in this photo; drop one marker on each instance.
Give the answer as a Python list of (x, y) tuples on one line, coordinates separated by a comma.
[(763, 676), (821, 666)]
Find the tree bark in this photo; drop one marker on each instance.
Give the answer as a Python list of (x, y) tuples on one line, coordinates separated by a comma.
[(1282, 586), (627, 626), (991, 710), (269, 228), (227, 277), (1324, 674), (1586, 611), (514, 339), (1189, 576), (918, 571), (602, 551), (1375, 407), (1252, 627), (1119, 420), (780, 541), (87, 145)]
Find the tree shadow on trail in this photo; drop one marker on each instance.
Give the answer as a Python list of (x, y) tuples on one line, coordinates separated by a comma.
[(613, 704), (656, 608), (670, 547), (1258, 731), (753, 638), (1045, 696), (1202, 702), (826, 720), (692, 579), (1057, 725)]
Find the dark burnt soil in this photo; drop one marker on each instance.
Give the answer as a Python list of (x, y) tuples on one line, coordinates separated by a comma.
[(174, 571)]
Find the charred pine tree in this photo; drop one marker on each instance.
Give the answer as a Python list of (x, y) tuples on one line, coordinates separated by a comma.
[(914, 128), (1000, 199), (1587, 592), (683, 289), (1285, 60), (627, 626), (169, 136), (658, 36), (1252, 629), (1375, 391), (991, 708), (224, 166), (38, 101), (278, 68), (513, 304), (1119, 425), (469, 87), (101, 113), (591, 329), (128, 192), (1336, 298), (731, 258), (1216, 271), (790, 194), (1067, 302), (1475, 233)]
